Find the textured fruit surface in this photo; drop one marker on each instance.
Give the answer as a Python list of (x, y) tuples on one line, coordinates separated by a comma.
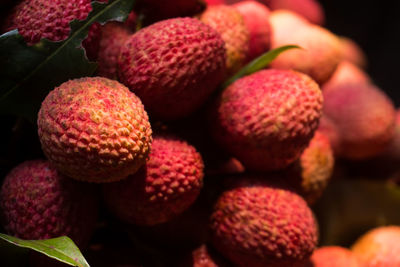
[(309, 9), (379, 247), (267, 119), (255, 224), (256, 18), (346, 73), (312, 172), (173, 66), (334, 256), (37, 202), (114, 34), (166, 186), (321, 51), (352, 52), (363, 118), (37, 19), (229, 23), (94, 129)]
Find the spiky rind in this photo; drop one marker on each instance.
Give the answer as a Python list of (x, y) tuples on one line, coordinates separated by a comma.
[(229, 23), (166, 186), (94, 129), (256, 224), (173, 66), (39, 203), (267, 119)]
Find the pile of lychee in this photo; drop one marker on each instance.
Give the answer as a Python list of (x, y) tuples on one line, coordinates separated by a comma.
[(233, 170)]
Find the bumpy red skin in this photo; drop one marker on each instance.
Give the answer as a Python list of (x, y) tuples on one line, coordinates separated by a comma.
[(321, 51), (360, 117), (37, 19), (309, 9), (173, 66), (334, 256), (267, 119), (256, 18), (168, 184), (114, 34), (380, 247), (39, 203), (94, 129), (229, 23), (255, 224)]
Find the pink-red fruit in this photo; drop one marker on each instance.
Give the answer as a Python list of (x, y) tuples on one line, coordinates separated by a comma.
[(173, 66), (334, 256), (266, 119), (37, 202), (94, 129), (257, 224), (166, 186)]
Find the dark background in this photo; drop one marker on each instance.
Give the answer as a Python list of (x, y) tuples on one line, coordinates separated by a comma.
[(375, 26)]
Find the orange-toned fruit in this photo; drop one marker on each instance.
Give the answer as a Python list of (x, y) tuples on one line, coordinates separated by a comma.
[(334, 256)]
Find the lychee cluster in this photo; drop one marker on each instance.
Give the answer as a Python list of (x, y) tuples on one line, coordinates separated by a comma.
[(166, 138)]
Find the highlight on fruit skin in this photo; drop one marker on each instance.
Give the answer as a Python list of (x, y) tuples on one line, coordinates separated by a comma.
[(267, 119), (359, 120), (230, 24), (255, 223), (379, 247), (173, 66), (256, 18), (321, 51), (334, 256), (37, 202), (311, 173), (167, 185), (94, 129)]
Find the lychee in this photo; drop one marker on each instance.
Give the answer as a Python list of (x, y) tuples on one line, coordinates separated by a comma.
[(380, 247), (266, 119), (352, 52), (360, 117), (37, 202), (173, 66), (309, 9), (334, 256), (37, 19), (229, 23), (258, 224), (114, 34), (321, 50), (94, 129), (256, 18), (166, 186)]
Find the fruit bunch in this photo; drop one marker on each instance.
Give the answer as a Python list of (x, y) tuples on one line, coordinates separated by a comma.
[(186, 168)]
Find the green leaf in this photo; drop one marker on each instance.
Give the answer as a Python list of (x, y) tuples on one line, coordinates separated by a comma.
[(61, 248), (349, 208), (28, 73), (259, 63)]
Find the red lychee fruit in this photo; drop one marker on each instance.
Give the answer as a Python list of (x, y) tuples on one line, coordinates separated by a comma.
[(166, 186), (380, 247), (215, 2), (94, 129), (334, 256), (258, 224), (173, 66), (37, 19), (114, 35), (321, 50), (256, 18), (266, 119), (352, 52), (37, 202), (360, 117), (230, 24), (309, 9)]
